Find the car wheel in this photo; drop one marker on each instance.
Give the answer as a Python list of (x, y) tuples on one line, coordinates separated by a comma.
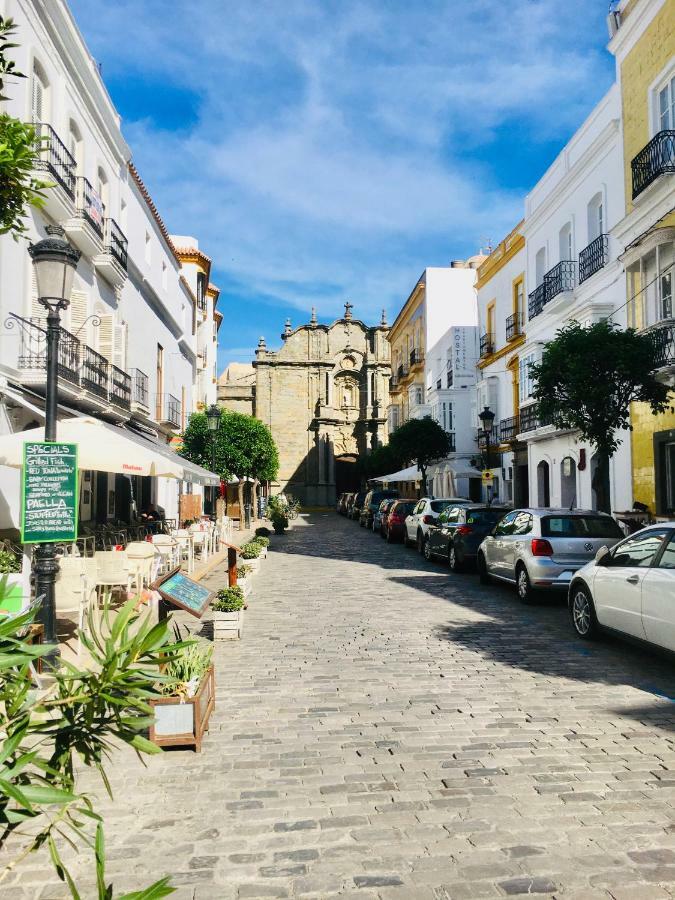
[(582, 613), (523, 586), (453, 562), (427, 550), (482, 570), (390, 540), (420, 542)]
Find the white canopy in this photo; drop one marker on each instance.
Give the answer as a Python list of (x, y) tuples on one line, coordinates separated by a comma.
[(411, 473), (107, 448)]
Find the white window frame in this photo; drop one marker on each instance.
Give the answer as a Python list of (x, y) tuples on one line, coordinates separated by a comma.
[(666, 79)]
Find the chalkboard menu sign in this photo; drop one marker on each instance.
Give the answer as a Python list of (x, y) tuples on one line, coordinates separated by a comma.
[(49, 498), (186, 594)]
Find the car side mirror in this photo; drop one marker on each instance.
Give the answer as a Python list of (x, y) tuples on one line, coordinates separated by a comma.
[(602, 556)]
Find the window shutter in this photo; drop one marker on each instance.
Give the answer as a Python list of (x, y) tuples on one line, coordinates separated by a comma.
[(37, 98), (106, 337), (79, 311), (120, 346)]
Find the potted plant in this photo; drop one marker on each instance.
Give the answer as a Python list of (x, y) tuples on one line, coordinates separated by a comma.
[(189, 692), (279, 521), (262, 542), (262, 532), (251, 552), (12, 583), (244, 573), (228, 614)]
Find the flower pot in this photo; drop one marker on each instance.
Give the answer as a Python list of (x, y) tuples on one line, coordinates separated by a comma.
[(245, 584), (228, 626), (183, 722), (253, 563)]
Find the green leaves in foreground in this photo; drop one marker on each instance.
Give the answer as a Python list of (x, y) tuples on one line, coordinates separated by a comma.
[(83, 714)]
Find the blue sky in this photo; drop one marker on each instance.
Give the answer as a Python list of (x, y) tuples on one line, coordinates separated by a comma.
[(324, 150)]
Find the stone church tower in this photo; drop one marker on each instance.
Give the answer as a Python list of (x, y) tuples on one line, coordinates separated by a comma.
[(324, 396)]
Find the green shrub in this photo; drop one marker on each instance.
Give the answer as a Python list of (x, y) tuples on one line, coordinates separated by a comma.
[(250, 551), (263, 541), (243, 570), (262, 532), (8, 563), (230, 599), (189, 665)]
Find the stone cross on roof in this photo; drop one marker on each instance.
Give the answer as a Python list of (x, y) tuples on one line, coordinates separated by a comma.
[(348, 309)]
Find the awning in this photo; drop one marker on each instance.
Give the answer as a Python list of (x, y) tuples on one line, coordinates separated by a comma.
[(108, 448), (412, 473)]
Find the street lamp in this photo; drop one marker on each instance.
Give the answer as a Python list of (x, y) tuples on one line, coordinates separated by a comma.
[(213, 422), (54, 262), (487, 418)]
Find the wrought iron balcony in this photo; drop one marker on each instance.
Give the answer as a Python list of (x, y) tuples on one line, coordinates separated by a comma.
[(530, 419), (482, 437), (560, 278), (54, 157), (33, 350), (116, 242), (594, 257), (89, 205), (514, 326), (536, 301), (663, 337), (416, 357), (140, 384), (120, 387), (486, 344), (508, 429), (655, 159), (95, 372), (169, 409)]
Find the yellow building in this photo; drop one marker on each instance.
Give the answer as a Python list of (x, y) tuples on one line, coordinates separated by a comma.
[(407, 340), (643, 43)]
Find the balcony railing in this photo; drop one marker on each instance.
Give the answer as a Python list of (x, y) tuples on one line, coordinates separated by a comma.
[(508, 429), (656, 158), (451, 439), (53, 157), (663, 337), (514, 326), (594, 257), (169, 408), (116, 242), (120, 387), (140, 384), (557, 280), (416, 357), (33, 350), (536, 301), (481, 437), (530, 418), (486, 344), (95, 372), (90, 205)]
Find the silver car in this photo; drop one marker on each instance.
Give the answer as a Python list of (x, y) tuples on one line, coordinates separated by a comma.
[(426, 512), (543, 548)]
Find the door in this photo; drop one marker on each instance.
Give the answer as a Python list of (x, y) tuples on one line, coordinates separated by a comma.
[(658, 598), (617, 582), (513, 543), (493, 545), (413, 519)]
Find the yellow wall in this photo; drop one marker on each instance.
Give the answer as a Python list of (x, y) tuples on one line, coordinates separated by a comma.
[(645, 424), (641, 67), (409, 321)]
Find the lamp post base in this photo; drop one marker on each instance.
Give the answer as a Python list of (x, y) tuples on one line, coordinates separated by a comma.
[(46, 568)]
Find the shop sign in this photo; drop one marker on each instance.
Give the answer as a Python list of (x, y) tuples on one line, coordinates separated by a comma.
[(49, 494)]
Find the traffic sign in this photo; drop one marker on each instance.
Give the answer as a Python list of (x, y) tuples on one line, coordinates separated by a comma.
[(487, 477)]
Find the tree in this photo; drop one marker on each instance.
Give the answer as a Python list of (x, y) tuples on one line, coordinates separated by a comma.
[(381, 461), (587, 379), (19, 152), (421, 441), (244, 448)]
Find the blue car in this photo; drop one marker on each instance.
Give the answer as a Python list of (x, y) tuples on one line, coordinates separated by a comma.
[(459, 531)]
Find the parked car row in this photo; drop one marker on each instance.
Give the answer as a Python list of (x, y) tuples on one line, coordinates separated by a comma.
[(622, 584)]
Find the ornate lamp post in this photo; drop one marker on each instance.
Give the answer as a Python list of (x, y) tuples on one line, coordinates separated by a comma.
[(213, 422), (487, 418), (55, 262)]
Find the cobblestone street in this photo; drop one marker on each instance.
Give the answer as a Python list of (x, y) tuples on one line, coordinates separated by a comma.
[(386, 729)]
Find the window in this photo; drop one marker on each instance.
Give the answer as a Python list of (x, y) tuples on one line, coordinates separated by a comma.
[(525, 380), (540, 265), (518, 296), (650, 286), (522, 523), (580, 527), (506, 525), (638, 551), (565, 242), (666, 106), (439, 505), (160, 380), (75, 145), (667, 560), (595, 213), (102, 188), (39, 106), (201, 290)]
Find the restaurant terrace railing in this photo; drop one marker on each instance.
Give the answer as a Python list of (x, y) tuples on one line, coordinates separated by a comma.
[(655, 159), (514, 326), (95, 372), (54, 157), (594, 257)]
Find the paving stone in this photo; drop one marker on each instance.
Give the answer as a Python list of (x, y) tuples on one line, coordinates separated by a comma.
[(515, 886)]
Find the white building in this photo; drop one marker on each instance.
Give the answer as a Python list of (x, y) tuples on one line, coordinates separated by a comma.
[(434, 342), (573, 273), (132, 336)]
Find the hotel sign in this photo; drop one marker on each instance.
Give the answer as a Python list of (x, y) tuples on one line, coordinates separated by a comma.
[(49, 495)]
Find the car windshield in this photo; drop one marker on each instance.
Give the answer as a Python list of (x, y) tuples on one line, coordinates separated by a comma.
[(580, 527), (483, 516), (439, 505)]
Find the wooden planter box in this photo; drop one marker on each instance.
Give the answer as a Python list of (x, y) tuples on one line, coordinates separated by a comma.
[(253, 563), (228, 626), (183, 723), (245, 584)]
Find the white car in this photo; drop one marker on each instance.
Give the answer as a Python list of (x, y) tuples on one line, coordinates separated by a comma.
[(425, 514), (629, 589)]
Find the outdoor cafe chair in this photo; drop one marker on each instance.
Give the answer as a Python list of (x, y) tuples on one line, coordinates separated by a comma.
[(200, 539), (168, 550), (74, 592), (185, 547), (144, 560), (112, 570)]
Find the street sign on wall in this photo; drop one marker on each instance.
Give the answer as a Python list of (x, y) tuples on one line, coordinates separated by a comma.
[(487, 477), (49, 496)]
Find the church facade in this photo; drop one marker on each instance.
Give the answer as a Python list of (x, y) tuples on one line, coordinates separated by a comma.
[(324, 395)]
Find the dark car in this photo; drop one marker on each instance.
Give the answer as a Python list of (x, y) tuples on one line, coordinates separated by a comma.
[(371, 504), (357, 503), (342, 504), (458, 532), (393, 526), (349, 499), (382, 514)]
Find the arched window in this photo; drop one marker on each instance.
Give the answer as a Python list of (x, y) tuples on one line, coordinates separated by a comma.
[(76, 146), (596, 217), (102, 188), (568, 482), (565, 242), (543, 484), (39, 107), (540, 265)]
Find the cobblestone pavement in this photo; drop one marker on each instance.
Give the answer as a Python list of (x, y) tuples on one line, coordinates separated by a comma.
[(389, 730)]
